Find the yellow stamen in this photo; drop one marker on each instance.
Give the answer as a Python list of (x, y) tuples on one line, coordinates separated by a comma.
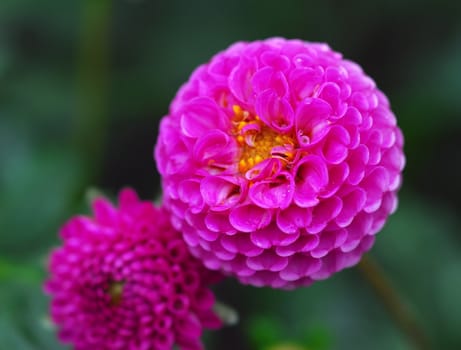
[(237, 110), (257, 144), (115, 292)]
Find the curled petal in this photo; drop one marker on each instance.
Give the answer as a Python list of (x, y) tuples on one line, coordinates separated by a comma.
[(264, 169), (363, 102), (238, 265), (221, 68), (292, 218), (221, 192), (215, 149), (375, 184), (171, 153), (303, 81), (271, 236), (360, 227), (394, 160), (273, 193), (177, 163), (306, 243), (384, 116), (331, 93), (311, 121), (201, 115), (373, 143), (270, 79), (240, 79), (219, 222), (357, 161), (388, 206), (328, 241), (275, 60), (248, 218), (352, 116), (267, 261), (275, 111), (300, 266), (337, 174), (311, 178), (334, 261), (221, 252), (353, 202), (240, 243), (336, 74), (251, 128), (325, 211), (189, 192), (354, 136), (335, 148)]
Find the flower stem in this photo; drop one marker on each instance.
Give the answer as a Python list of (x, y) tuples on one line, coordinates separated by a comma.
[(93, 82), (393, 302)]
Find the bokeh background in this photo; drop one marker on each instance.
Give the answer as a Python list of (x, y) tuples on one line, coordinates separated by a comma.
[(83, 85)]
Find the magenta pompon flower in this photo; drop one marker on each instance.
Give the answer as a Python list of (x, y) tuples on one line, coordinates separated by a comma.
[(280, 161), (126, 280)]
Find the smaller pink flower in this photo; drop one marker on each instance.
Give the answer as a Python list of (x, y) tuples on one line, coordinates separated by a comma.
[(126, 280)]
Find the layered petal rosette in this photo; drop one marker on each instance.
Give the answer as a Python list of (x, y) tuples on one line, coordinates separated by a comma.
[(280, 161), (126, 280)]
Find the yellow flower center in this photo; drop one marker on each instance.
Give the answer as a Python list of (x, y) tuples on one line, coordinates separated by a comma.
[(115, 292), (257, 141)]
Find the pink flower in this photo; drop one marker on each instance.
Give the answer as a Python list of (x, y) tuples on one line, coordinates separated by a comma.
[(280, 161), (125, 280)]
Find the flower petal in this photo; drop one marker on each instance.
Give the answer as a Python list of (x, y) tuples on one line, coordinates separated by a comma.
[(221, 192), (248, 218), (273, 193), (201, 115), (292, 218), (275, 111), (240, 79), (268, 78), (335, 147), (215, 149), (271, 236), (299, 266), (303, 81), (311, 121), (267, 261), (311, 178)]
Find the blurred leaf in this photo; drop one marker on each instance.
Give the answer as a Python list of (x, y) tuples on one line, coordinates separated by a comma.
[(11, 338), (318, 338), (14, 272), (24, 312), (448, 296), (37, 187), (264, 332), (286, 346)]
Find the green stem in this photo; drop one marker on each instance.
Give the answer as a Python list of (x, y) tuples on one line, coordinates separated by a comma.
[(393, 302), (93, 82)]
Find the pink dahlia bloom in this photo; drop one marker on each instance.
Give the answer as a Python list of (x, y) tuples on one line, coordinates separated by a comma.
[(125, 280), (280, 162)]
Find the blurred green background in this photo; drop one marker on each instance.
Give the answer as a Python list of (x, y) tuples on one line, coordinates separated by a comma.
[(83, 85)]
